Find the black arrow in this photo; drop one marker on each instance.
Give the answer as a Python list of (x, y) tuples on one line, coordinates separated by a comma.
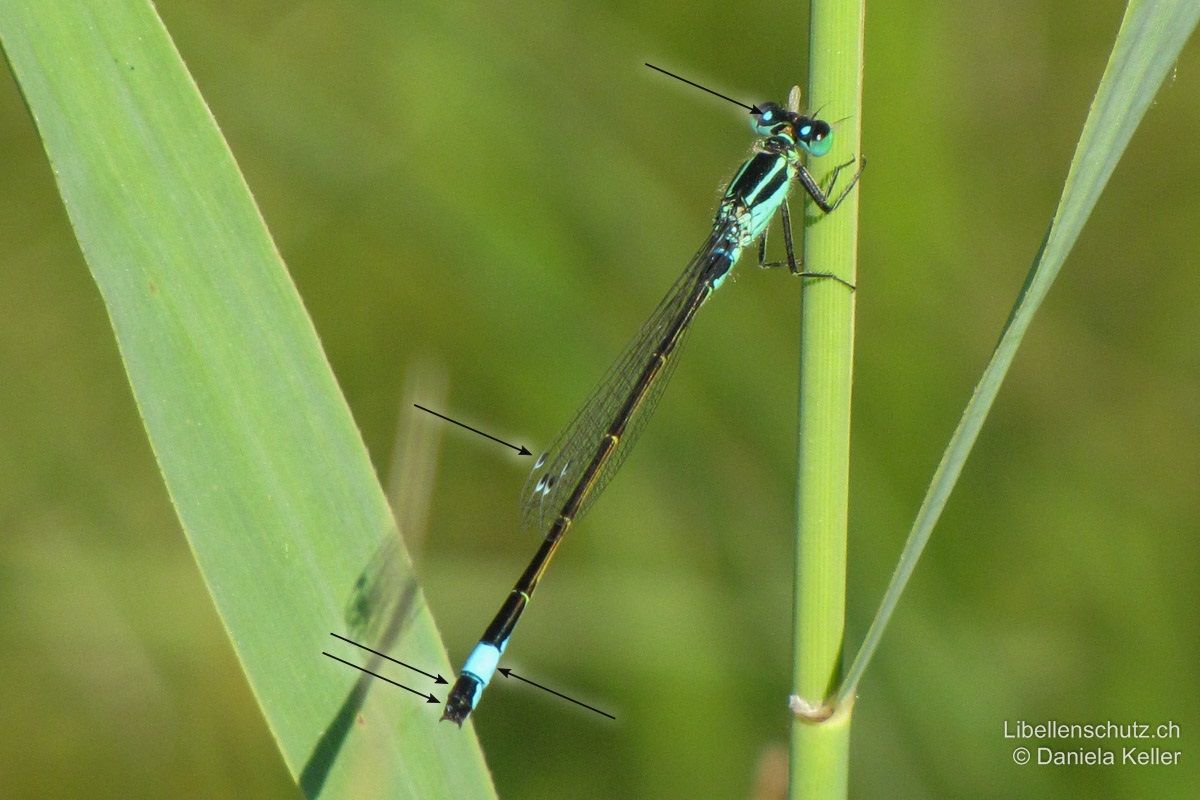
[(508, 673), (429, 698), (753, 109), (436, 678), (521, 451)]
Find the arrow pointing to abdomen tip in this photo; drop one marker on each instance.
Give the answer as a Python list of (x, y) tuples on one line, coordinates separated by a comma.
[(429, 698), (436, 678), (522, 451)]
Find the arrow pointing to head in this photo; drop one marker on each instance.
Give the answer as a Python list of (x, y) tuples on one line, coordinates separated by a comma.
[(753, 109)]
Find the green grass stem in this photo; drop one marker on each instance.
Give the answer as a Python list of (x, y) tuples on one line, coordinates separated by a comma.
[(820, 745)]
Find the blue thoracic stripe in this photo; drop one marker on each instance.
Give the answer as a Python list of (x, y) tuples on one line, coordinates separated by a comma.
[(760, 171), (737, 179), (760, 186), (771, 185)]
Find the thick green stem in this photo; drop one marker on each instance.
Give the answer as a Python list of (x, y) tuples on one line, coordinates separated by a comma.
[(821, 735)]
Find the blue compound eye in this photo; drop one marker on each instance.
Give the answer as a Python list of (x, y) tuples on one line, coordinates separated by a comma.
[(768, 119), (814, 136)]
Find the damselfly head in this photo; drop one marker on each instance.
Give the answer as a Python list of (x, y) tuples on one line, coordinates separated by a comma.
[(813, 135)]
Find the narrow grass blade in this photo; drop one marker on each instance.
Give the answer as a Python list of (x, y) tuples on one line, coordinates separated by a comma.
[(1151, 36), (261, 458)]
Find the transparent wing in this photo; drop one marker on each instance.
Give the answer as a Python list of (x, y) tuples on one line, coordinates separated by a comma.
[(559, 469)]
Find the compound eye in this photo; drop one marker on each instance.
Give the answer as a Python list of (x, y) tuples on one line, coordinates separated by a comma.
[(815, 136), (768, 118), (813, 131)]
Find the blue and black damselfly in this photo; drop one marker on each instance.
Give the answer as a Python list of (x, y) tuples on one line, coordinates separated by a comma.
[(585, 456)]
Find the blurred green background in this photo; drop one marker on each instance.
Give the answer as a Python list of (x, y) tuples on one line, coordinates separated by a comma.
[(506, 192)]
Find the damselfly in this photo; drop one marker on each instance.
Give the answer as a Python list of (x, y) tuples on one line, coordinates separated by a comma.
[(585, 456)]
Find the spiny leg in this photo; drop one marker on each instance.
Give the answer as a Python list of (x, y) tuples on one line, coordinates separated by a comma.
[(833, 176), (820, 197), (792, 263), (786, 220)]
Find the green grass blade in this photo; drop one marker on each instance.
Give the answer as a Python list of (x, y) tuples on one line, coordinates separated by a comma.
[(1152, 34), (257, 447)]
